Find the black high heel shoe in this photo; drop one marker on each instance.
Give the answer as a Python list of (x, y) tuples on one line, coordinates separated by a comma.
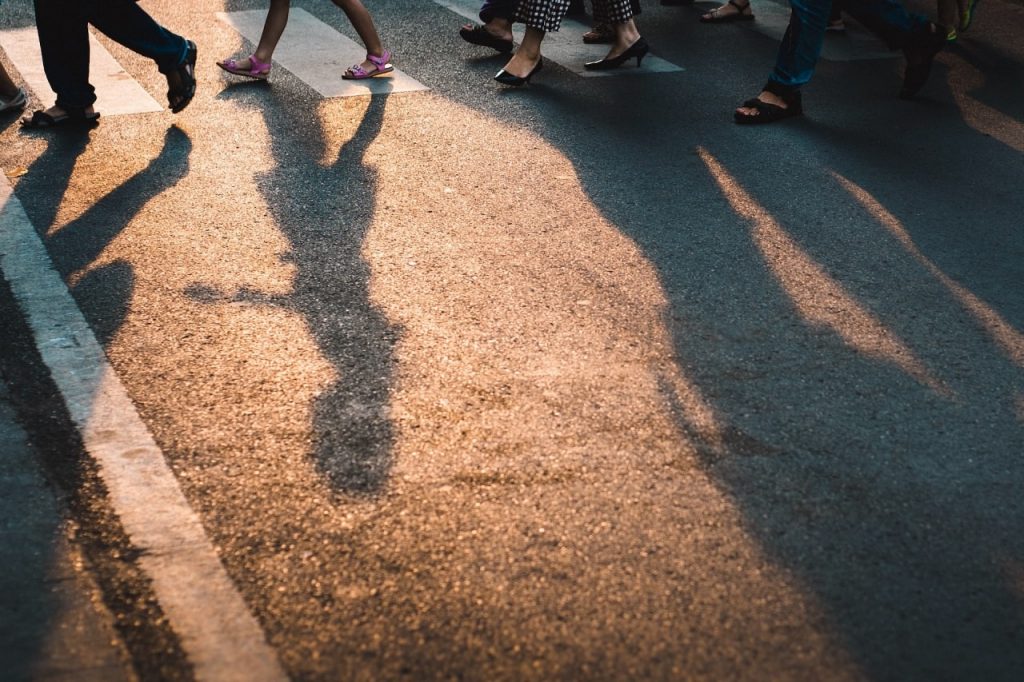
[(638, 49), (506, 78)]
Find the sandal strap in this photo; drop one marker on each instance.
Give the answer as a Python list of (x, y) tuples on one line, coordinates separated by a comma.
[(381, 61), (741, 8), (256, 66)]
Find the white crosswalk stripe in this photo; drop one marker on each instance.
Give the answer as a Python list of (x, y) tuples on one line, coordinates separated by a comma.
[(116, 91), (566, 47), (318, 55)]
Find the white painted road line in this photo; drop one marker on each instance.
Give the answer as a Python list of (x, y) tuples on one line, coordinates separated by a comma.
[(116, 91), (772, 18), (566, 47), (218, 633), (318, 55)]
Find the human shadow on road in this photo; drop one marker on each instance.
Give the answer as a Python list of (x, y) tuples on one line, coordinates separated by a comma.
[(104, 293), (884, 481), (324, 211), (1002, 82)]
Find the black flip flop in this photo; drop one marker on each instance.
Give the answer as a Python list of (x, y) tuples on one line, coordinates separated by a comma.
[(768, 113), (478, 35), (73, 117)]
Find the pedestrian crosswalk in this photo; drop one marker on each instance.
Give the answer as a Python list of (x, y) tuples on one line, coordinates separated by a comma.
[(566, 46), (318, 55)]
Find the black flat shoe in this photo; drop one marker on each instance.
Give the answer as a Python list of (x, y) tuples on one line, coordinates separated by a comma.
[(506, 78), (478, 35), (639, 49)]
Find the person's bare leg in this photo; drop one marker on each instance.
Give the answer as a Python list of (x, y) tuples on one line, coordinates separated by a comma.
[(528, 54), (362, 22), (273, 28)]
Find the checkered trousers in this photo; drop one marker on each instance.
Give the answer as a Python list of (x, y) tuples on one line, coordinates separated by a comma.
[(546, 15), (614, 11)]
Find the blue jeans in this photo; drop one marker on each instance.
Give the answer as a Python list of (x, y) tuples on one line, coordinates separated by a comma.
[(801, 46), (64, 40)]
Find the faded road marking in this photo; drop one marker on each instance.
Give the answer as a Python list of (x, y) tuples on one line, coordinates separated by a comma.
[(217, 631)]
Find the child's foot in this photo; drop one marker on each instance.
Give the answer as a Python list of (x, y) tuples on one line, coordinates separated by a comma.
[(250, 67), (373, 65)]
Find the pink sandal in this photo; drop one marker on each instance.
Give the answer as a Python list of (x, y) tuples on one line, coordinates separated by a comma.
[(257, 69), (381, 66)]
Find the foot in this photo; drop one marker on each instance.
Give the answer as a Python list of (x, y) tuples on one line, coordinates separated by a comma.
[(767, 98), (727, 12), (497, 31), (623, 42), (522, 64), (375, 64), (181, 82), (55, 116), (599, 33), (252, 66)]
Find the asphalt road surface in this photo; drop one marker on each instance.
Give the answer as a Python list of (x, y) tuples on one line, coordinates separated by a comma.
[(574, 381)]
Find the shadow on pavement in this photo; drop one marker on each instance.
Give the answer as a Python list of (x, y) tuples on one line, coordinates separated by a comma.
[(324, 211), (871, 444), (104, 292)]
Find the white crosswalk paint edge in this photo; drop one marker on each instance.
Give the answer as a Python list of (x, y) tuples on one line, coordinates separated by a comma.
[(218, 633), (116, 91)]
